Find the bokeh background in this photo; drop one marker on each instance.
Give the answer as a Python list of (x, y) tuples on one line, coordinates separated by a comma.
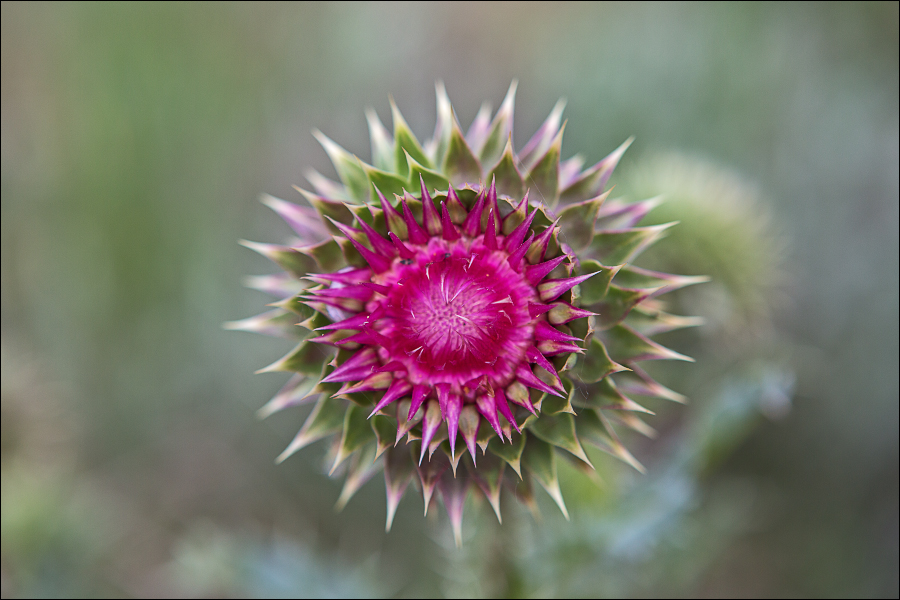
[(136, 139)]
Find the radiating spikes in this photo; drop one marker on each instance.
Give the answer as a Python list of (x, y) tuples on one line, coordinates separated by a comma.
[(453, 492), (606, 166), (579, 218), (515, 258), (492, 194), (418, 397), (540, 461), (562, 312), (490, 481), (298, 390), (323, 186), (377, 338), (354, 292), (392, 219), (437, 147), (395, 482), (377, 288), (359, 366), (454, 461), (535, 356), (517, 392), (332, 339), (424, 190), (569, 170), (647, 386), (478, 130), (543, 137), (535, 273), (302, 219), (404, 425), (554, 288), (392, 367), (343, 303), (499, 131), (490, 234), (455, 208), (468, 427), (382, 141), (428, 477), (276, 323), (431, 218), (405, 144), (379, 263), (451, 407), (525, 376), (367, 337), (631, 346), (429, 426), (350, 277), (369, 301), (348, 232), (399, 388), (543, 242), (515, 217), (502, 406), (545, 331), (515, 238), (536, 310), (289, 259), (354, 435), (659, 283), (448, 231), (490, 201), (404, 252), (439, 438), (280, 285), (379, 244), (543, 174), (618, 214), (487, 407), (374, 382), (326, 419), (618, 449), (472, 225), (417, 235), (348, 167)]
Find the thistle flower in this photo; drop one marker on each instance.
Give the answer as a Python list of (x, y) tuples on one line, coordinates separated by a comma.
[(461, 308)]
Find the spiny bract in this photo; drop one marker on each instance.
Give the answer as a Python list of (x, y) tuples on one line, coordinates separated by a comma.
[(458, 302)]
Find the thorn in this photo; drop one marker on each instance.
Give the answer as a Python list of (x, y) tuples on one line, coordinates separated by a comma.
[(490, 234), (472, 225), (430, 217), (405, 253), (449, 231), (417, 235), (518, 234), (516, 257), (535, 273), (379, 244)]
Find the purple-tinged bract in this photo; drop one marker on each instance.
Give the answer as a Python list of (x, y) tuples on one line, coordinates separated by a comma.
[(456, 302)]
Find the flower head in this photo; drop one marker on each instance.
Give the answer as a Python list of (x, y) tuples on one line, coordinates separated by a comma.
[(456, 302)]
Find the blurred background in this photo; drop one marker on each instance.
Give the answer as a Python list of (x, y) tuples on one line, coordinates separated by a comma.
[(136, 139)]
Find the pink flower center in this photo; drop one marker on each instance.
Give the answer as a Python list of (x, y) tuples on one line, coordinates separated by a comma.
[(456, 312)]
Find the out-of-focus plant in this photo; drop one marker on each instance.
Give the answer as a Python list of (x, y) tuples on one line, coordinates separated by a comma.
[(50, 523), (725, 230)]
